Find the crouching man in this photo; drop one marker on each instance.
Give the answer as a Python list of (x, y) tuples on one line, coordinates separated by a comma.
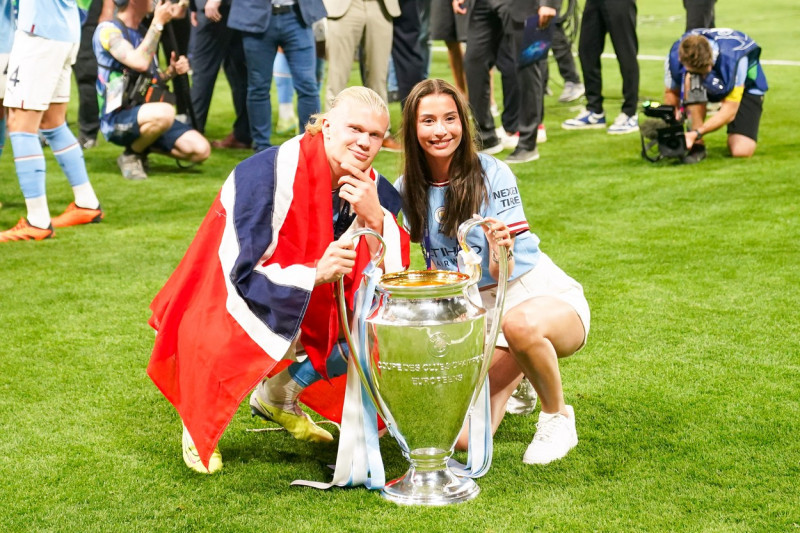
[(259, 278), (717, 65), (137, 110)]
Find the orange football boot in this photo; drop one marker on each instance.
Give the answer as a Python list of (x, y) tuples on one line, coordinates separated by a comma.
[(23, 231), (74, 215)]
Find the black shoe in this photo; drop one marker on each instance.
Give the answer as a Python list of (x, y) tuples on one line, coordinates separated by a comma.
[(696, 154), (521, 155), (492, 148), (86, 142)]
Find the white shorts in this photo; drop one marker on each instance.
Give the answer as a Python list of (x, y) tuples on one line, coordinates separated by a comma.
[(39, 72), (3, 74), (545, 279)]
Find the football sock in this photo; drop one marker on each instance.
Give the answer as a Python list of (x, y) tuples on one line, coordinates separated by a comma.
[(69, 155), (305, 374), (38, 212), (29, 163)]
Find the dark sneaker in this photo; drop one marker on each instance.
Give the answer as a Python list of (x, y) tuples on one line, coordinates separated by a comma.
[(696, 154), (492, 149), (87, 143), (521, 155)]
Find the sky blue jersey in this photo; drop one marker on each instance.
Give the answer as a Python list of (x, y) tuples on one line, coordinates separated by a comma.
[(57, 20), (504, 204)]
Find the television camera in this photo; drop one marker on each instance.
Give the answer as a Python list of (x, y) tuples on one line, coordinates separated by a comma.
[(662, 133)]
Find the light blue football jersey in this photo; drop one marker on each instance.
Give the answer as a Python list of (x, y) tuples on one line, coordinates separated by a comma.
[(504, 204), (57, 20)]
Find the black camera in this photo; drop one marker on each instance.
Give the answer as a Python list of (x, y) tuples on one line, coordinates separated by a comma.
[(662, 135), (696, 92)]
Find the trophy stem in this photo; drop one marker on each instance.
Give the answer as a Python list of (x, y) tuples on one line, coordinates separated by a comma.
[(430, 482)]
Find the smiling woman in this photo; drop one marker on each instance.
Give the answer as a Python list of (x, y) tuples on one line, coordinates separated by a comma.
[(546, 315)]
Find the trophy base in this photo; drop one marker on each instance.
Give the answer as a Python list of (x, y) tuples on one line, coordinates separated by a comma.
[(430, 487)]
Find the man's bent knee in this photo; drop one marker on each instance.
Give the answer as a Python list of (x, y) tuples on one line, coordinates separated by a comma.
[(741, 146), (155, 117), (192, 146)]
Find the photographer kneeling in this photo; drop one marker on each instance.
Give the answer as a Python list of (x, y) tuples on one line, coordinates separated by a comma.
[(717, 65), (137, 109)]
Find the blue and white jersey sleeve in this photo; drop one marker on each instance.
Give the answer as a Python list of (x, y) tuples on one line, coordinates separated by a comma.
[(57, 20), (505, 204)]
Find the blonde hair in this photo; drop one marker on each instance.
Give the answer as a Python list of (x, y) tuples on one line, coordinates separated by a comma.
[(356, 95)]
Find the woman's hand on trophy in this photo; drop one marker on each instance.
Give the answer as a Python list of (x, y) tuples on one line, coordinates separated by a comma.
[(339, 259), (497, 235)]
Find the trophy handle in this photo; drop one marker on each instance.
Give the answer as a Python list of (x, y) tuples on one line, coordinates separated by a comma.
[(363, 373), (488, 350)]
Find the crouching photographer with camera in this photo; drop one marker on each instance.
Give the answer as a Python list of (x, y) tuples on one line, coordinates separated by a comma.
[(717, 65), (137, 109)]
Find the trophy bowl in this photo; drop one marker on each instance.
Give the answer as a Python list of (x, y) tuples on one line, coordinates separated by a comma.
[(427, 357)]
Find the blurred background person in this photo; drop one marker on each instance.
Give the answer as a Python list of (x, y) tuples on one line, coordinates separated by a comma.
[(126, 56), (214, 44)]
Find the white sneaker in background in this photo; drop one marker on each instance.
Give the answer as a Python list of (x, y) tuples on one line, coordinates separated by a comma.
[(624, 124), (523, 399)]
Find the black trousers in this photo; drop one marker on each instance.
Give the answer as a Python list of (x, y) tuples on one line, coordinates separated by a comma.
[(562, 51), (616, 18), (409, 63), (85, 70), (699, 13), (487, 30), (214, 45), (181, 29)]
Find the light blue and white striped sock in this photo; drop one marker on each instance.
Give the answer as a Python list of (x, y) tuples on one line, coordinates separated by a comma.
[(29, 162), (69, 155)]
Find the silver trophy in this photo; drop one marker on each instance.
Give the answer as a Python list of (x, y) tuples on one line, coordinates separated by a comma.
[(428, 357)]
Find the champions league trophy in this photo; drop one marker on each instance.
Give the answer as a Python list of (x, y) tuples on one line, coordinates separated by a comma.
[(423, 362)]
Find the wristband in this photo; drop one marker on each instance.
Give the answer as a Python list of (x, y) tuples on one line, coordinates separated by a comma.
[(699, 135)]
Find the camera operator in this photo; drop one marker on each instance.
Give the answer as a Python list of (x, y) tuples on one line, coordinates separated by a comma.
[(137, 109), (717, 65)]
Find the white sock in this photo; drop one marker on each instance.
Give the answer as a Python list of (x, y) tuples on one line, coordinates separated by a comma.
[(281, 390), (85, 197), (38, 212)]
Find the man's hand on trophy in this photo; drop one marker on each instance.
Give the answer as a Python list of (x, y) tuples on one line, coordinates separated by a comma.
[(339, 259)]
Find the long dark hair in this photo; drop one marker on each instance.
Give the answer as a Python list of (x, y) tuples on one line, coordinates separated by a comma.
[(467, 191)]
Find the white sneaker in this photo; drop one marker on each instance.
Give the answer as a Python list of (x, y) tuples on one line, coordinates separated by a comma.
[(541, 134), (585, 120), (572, 91), (624, 124), (523, 400), (555, 437)]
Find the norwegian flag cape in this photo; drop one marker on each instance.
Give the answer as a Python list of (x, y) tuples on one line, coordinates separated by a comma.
[(245, 288)]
